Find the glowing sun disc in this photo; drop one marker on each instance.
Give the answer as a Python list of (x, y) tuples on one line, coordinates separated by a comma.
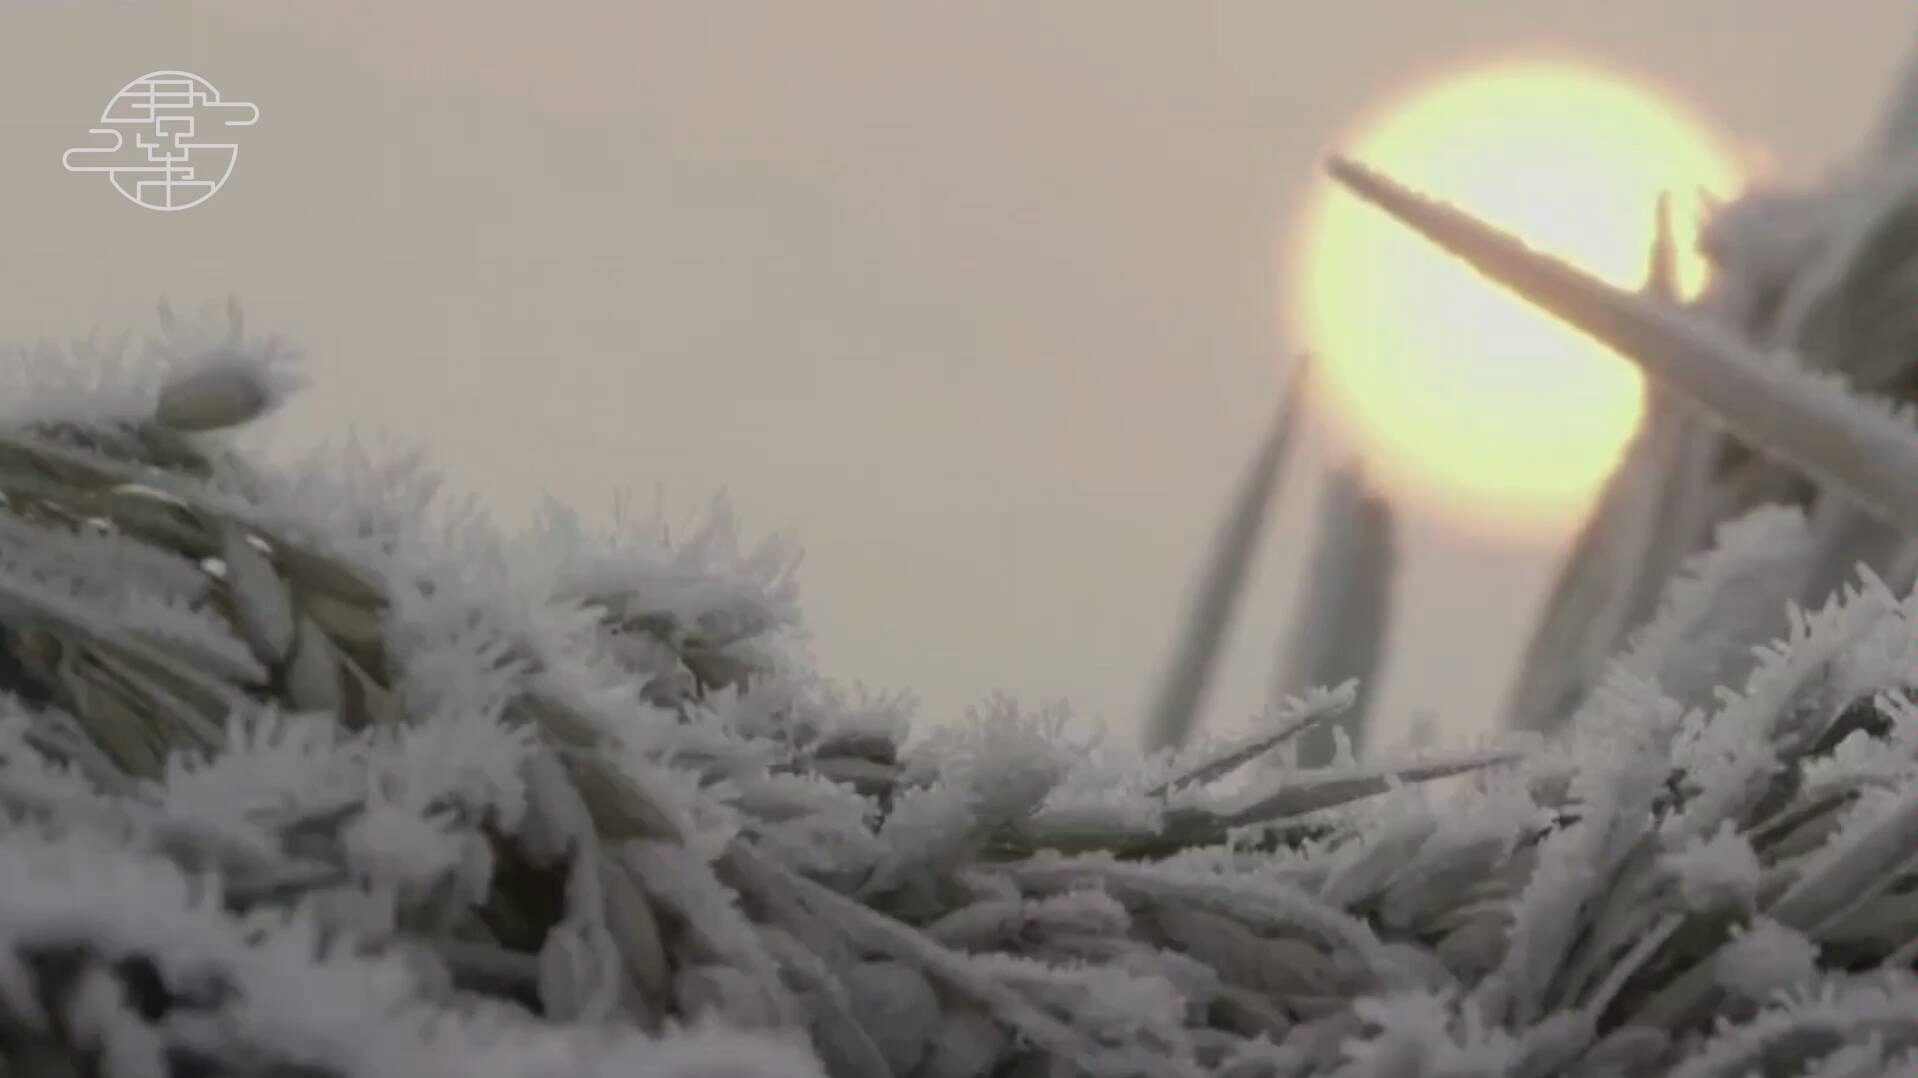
[(1462, 396)]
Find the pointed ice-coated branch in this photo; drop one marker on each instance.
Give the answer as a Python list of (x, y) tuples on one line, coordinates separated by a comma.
[(1174, 716), (1770, 402), (1339, 630)]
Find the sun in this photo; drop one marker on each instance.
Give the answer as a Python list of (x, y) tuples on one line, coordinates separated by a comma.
[(1462, 398)]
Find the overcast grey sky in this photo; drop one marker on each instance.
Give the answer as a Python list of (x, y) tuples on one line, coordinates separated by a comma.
[(977, 300)]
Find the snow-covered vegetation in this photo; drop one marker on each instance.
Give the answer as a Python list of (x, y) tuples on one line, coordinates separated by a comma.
[(311, 771)]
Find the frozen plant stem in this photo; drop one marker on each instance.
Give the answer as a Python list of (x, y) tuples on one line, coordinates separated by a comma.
[(1175, 715), (1770, 402)]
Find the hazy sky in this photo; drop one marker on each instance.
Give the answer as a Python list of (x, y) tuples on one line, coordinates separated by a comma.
[(978, 300)]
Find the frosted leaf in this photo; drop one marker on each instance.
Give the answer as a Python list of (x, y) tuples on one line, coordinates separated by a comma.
[(97, 1014), (811, 824), (473, 761), (687, 887), (1466, 846), (1871, 847), (863, 717), (1865, 1060), (102, 562), (1421, 1033), (192, 630), (221, 393), (966, 1045), (1336, 795), (1615, 793), (401, 847), (1727, 602), (1339, 628), (898, 1008), (705, 585), (1367, 866), (1083, 911), (1766, 958), (92, 598), (261, 604), (1109, 790), (992, 772), (1112, 1005), (1798, 687), (99, 382), (1808, 1025), (1278, 725), (1884, 653), (579, 973), (1263, 902), (1890, 760), (273, 768), (714, 991), (27, 771), (1716, 873)]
